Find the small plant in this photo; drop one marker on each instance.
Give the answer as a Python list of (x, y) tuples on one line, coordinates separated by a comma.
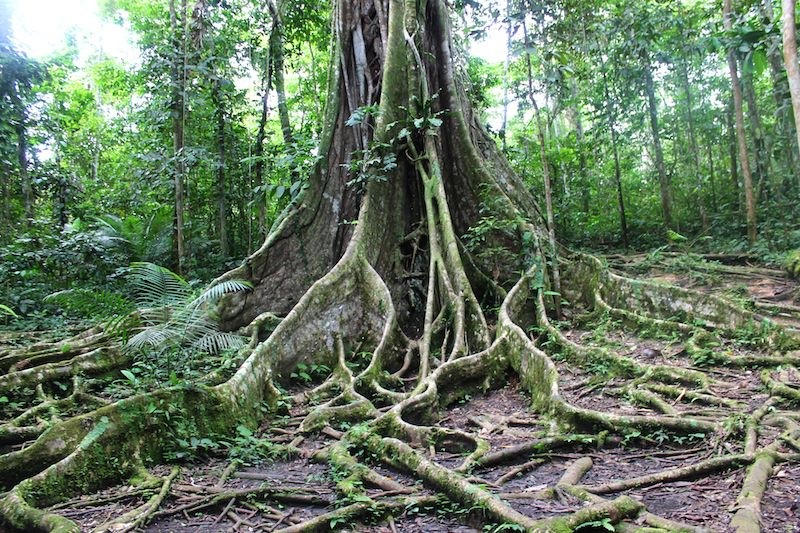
[(174, 316), (791, 264), (305, 373), (605, 524)]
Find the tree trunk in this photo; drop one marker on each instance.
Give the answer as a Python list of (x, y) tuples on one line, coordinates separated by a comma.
[(712, 180), (548, 186), (693, 146), (663, 178), (222, 208), (750, 201), (583, 176), (22, 159), (757, 133), (790, 59), (276, 53), (789, 152), (611, 120), (178, 106)]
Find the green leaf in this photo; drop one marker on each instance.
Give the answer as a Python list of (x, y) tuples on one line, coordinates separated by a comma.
[(130, 376), (6, 310)]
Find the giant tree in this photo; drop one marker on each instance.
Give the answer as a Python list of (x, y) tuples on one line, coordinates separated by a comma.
[(407, 170)]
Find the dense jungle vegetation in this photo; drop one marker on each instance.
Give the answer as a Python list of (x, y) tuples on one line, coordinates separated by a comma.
[(329, 241)]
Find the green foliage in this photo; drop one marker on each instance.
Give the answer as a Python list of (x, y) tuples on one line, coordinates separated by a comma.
[(597, 525), (792, 263), (97, 304), (306, 373)]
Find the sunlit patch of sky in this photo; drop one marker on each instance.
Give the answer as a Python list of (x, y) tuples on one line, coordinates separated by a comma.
[(40, 28)]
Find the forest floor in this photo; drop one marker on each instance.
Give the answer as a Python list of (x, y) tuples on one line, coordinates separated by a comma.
[(215, 494)]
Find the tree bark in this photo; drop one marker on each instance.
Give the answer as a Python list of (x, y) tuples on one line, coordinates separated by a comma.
[(790, 59), (276, 53), (585, 184), (548, 186), (22, 159), (750, 201), (734, 172)]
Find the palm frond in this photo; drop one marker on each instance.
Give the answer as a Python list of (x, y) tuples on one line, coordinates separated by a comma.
[(156, 286), (170, 315), (151, 336), (218, 342), (219, 290)]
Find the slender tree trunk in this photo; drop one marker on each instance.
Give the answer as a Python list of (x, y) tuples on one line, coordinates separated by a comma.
[(693, 145), (258, 149), (178, 76), (506, 76), (24, 176), (612, 127), (790, 58), (757, 133), (580, 137), (5, 192), (712, 180), (733, 155), (222, 208), (750, 201), (61, 191), (790, 152), (663, 177), (276, 51), (548, 187)]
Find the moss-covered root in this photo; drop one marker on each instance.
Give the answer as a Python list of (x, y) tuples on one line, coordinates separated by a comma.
[(91, 363), (401, 455), (747, 518), (614, 511), (674, 474), (779, 388), (20, 514), (350, 512)]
